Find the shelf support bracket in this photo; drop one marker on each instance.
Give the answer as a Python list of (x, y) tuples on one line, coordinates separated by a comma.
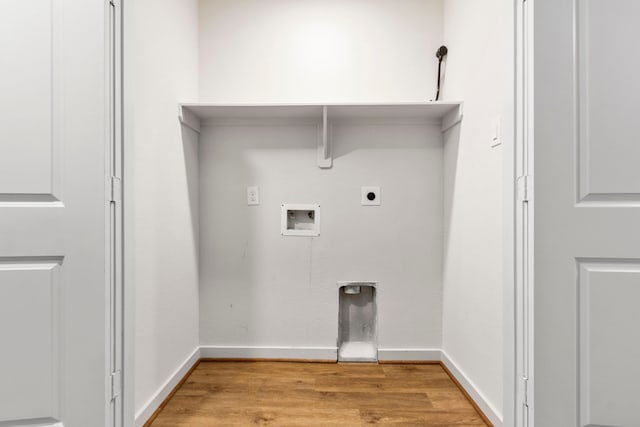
[(451, 119), (325, 159), (188, 119)]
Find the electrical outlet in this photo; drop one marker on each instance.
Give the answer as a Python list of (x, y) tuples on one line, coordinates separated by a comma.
[(253, 195), (370, 196)]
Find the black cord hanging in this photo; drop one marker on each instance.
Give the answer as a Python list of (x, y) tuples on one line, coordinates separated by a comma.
[(440, 54)]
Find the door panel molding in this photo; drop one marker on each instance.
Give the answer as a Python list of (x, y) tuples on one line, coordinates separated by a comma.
[(30, 318), (606, 129), (31, 46), (606, 356)]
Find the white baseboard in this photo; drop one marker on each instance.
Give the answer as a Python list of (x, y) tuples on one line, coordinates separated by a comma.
[(312, 353), (143, 415), (269, 352), (417, 354), (478, 398), (32, 422)]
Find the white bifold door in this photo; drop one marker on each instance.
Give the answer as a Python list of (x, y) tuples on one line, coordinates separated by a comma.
[(56, 225), (587, 213)]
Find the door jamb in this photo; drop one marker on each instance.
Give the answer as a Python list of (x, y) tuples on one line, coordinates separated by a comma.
[(128, 204), (117, 330), (522, 374)]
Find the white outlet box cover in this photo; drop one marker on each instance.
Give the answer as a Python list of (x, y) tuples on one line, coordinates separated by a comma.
[(365, 201), (253, 195), (300, 219)]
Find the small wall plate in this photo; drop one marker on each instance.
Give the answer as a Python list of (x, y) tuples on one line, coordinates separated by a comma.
[(300, 219), (253, 195), (370, 196)]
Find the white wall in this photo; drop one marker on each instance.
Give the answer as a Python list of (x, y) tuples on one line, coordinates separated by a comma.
[(259, 288), (477, 72), (166, 194), (318, 50)]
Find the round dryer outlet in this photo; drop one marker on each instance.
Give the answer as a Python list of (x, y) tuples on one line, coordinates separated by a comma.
[(370, 196)]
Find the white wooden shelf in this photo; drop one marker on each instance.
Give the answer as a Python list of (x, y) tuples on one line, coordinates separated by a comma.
[(446, 114)]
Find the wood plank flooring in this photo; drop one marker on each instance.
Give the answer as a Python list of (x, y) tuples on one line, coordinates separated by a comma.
[(317, 394)]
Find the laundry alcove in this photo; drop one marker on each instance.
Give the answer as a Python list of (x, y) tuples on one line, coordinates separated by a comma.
[(262, 289), (254, 106)]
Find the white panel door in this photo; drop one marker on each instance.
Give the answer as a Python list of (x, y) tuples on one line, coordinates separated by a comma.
[(54, 212), (587, 213)]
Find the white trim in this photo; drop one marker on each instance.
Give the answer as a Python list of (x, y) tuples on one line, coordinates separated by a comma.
[(114, 211), (313, 353), (523, 404), (417, 354), (143, 415), (487, 408), (269, 352), (34, 422), (512, 226), (129, 212)]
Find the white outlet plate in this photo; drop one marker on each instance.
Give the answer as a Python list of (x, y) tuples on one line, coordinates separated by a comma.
[(253, 195), (365, 201)]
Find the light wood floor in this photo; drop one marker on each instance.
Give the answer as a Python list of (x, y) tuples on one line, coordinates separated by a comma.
[(317, 394)]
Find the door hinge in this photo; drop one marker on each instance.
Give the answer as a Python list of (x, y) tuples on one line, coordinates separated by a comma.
[(525, 401), (116, 189), (524, 186), (116, 384)]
